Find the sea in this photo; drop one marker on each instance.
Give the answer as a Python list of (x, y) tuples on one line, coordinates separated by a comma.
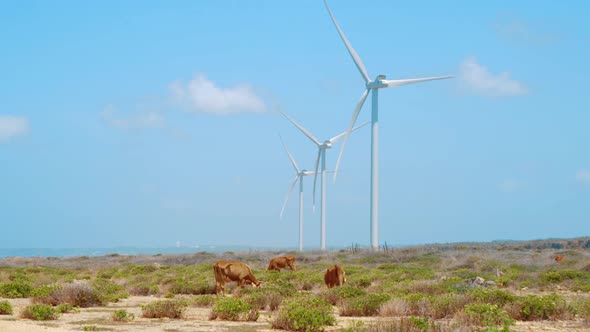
[(73, 252)]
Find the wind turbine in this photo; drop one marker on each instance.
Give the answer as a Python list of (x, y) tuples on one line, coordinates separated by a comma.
[(322, 147), (299, 177), (372, 86)]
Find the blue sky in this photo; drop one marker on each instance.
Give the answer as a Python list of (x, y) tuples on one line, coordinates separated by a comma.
[(143, 123)]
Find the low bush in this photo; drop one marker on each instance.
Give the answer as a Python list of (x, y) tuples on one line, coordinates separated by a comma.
[(533, 307), (337, 294), (484, 314), (306, 313), (582, 309), (67, 309), (108, 291), (40, 312), (551, 277), (5, 308), (203, 300), (122, 315), (143, 289), (491, 296), (15, 289), (234, 309), (407, 324), (164, 308), (79, 294), (195, 288), (365, 305)]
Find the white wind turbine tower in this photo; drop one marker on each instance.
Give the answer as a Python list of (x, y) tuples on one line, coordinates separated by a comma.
[(322, 147), (372, 86), (299, 177)]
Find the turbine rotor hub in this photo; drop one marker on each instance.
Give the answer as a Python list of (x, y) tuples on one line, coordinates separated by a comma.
[(377, 83)]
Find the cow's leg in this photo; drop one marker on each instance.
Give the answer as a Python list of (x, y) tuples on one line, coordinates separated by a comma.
[(291, 266)]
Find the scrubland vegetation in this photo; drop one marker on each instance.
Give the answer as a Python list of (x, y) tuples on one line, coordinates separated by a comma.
[(461, 287)]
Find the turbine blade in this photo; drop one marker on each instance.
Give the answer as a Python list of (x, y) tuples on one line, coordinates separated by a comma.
[(290, 156), (337, 138), (315, 177), (355, 57), (396, 83), (303, 130), (288, 193), (355, 115)]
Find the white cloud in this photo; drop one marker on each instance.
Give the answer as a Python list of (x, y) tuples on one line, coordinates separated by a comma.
[(478, 79), (583, 177), (202, 95), (12, 126), (510, 185), (143, 119)]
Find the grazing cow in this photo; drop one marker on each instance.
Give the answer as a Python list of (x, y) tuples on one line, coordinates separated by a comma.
[(282, 262), (228, 271), (559, 258), (335, 276)]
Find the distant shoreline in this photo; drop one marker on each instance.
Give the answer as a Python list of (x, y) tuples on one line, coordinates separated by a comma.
[(551, 243)]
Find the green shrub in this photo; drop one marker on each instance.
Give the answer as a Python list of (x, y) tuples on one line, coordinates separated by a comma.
[(337, 294), (304, 314), (108, 291), (491, 296), (5, 308), (405, 324), (203, 300), (446, 305), (43, 291), (551, 277), (122, 316), (164, 308), (582, 309), (231, 308), (365, 305), (15, 289), (196, 288), (533, 307), (90, 328), (484, 314), (262, 298), (40, 312), (66, 308)]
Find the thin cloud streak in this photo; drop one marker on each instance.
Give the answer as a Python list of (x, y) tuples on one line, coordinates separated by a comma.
[(583, 177), (12, 126), (144, 119)]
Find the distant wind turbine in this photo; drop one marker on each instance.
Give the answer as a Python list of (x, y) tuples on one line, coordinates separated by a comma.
[(299, 177), (322, 147), (372, 86)]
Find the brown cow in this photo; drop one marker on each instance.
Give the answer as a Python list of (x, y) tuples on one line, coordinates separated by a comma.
[(228, 271), (335, 276), (282, 262), (559, 258)]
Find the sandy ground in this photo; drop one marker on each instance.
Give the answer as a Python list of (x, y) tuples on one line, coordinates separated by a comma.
[(196, 319)]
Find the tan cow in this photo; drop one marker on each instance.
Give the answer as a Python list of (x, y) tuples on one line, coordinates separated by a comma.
[(559, 258), (335, 276), (228, 271), (282, 262)]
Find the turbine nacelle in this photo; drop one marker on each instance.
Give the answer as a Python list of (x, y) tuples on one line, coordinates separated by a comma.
[(377, 83), (326, 145)]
